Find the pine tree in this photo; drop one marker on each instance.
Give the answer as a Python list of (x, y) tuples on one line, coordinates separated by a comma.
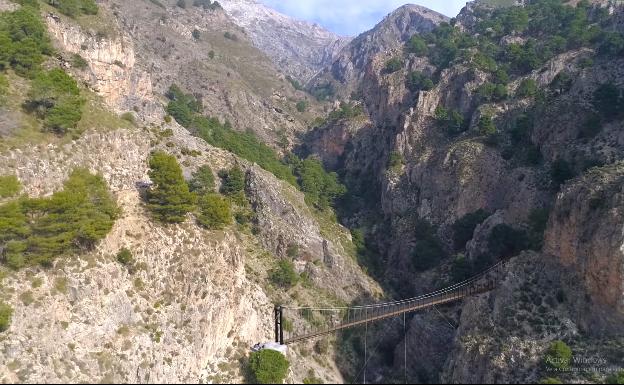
[(169, 199)]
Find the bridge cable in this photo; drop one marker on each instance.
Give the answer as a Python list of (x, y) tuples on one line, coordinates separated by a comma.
[(365, 359), (385, 331), (445, 318), (404, 348)]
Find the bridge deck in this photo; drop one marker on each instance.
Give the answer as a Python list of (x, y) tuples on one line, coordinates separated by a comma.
[(395, 310)]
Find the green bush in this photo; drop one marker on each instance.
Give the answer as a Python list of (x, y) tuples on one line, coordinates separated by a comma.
[(295, 83), (486, 126), (492, 92), (463, 228), (4, 88), (417, 81), (551, 380), (169, 198), (428, 249), (55, 97), (6, 311), (268, 367), (23, 41), (284, 275), (528, 88), (504, 241), (302, 106), (196, 34), (203, 181), (182, 107), (125, 257), (74, 8), (393, 65), (558, 355), (321, 188), (39, 230), (9, 186), (128, 117), (345, 111), (230, 36), (395, 160), (417, 46), (561, 171), (214, 212), (79, 62), (608, 101), (615, 378), (451, 121), (293, 250), (233, 183)]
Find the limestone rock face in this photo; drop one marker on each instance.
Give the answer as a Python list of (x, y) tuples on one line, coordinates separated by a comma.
[(586, 233), (113, 71), (298, 48)]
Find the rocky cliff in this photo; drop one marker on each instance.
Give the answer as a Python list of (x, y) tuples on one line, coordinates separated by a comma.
[(297, 47), (421, 181)]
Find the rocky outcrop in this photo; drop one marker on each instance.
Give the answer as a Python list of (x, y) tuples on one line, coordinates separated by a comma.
[(300, 49), (586, 233), (355, 63), (112, 68)]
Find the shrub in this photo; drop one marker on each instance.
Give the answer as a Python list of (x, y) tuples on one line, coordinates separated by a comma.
[(6, 312), (417, 81), (214, 212), (538, 220), (9, 186), (182, 107), (492, 92), (230, 36), (551, 380), (196, 34), (504, 241), (591, 127), (417, 45), (395, 160), (608, 101), (451, 121), (616, 378), (527, 88), (295, 83), (233, 184), (55, 97), (293, 250), (38, 230), (302, 106), (74, 8), (393, 65), (181, 4), (268, 366), (23, 41), (561, 83), (561, 171), (79, 62), (284, 275), (463, 228), (428, 249), (558, 355), (203, 181), (128, 117), (486, 125), (125, 257), (169, 199), (4, 88), (321, 188)]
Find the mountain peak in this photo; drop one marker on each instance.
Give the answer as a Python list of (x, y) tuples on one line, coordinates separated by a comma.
[(299, 48)]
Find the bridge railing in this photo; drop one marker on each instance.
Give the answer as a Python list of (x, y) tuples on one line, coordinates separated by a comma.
[(309, 322)]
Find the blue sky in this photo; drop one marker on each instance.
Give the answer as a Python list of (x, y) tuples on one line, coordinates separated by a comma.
[(351, 17)]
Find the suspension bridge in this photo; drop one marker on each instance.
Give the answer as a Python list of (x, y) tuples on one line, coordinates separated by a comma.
[(296, 324)]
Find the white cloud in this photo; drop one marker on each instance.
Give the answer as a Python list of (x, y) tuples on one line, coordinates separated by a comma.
[(351, 17)]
